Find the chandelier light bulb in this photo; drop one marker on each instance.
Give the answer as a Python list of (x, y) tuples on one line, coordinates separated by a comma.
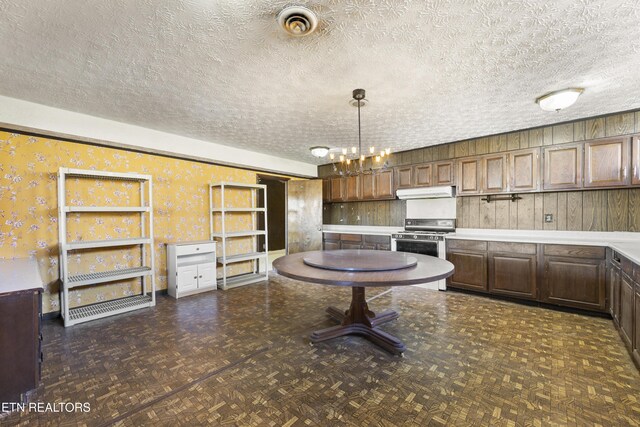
[(348, 161), (377, 158), (362, 158), (382, 153), (353, 150), (332, 156), (341, 158), (388, 151), (344, 151), (372, 150)]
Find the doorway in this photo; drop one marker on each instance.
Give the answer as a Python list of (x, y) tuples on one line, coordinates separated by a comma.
[(276, 215)]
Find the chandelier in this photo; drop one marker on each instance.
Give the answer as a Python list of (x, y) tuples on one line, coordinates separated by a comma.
[(355, 162)]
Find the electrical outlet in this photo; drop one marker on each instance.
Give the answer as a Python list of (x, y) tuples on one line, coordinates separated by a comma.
[(548, 217)]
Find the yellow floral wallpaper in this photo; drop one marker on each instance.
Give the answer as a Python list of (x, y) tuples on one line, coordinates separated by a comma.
[(29, 210)]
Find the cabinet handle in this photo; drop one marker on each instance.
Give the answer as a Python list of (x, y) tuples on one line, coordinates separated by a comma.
[(195, 277), (200, 277)]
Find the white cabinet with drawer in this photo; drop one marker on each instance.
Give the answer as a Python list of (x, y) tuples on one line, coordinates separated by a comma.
[(191, 267)]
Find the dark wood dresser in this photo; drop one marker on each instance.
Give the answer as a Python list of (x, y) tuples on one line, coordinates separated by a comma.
[(20, 337)]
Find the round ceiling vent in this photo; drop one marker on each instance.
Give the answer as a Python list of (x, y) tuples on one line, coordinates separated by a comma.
[(297, 20)]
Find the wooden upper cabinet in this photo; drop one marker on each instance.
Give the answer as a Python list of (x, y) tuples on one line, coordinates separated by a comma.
[(326, 190), (338, 192), (378, 185), (524, 170), (563, 167), (423, 175), (415, 176), (368, 186), (444, 173), (606, 162), (404, 177), (635, 166), (494, 173), (354, 188), (469, 179), (384, 185)]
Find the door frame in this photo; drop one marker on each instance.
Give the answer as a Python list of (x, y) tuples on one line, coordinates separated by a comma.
[(285, 181)]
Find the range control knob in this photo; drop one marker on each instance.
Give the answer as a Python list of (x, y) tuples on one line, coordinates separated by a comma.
[(415, 236)]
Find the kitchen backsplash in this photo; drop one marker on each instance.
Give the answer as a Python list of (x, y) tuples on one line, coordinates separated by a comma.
[(595, 210)]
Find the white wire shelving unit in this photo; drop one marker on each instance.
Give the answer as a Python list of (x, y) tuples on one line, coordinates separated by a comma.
[(256, 255), (145, 272)]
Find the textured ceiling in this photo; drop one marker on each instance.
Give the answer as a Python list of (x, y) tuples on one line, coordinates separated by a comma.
[(223, 71)]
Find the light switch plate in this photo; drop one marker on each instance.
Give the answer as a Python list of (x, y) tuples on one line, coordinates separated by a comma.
[(548, 217)]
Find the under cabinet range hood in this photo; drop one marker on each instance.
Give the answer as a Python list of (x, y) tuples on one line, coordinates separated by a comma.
[(426, 193)]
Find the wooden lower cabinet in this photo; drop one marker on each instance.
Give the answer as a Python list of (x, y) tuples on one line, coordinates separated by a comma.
[(20, 342), (334, 241), (470, 260), (574, 282), (513, 275), (574, 276), (351, 241), (614, 292), (626, 310), (636, 324), (331, 246), (330, 241)]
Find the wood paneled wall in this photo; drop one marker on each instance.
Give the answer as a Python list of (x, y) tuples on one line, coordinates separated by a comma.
[(593, 210), (589, 210), (384, 212)]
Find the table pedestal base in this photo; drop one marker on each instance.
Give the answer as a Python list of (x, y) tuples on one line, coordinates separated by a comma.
[(359, 320)]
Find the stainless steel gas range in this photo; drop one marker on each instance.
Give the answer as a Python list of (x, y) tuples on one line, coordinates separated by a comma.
[(424, 236)]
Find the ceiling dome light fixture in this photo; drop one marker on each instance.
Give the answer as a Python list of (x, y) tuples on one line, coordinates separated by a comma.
[(560, 99), (319, 151), (297, 20)]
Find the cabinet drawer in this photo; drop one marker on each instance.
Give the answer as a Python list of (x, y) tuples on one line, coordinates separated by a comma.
[(473, 245), (371, 238), (351, 237), (517, 248), (195, 249), (575, 251), (331, 236)]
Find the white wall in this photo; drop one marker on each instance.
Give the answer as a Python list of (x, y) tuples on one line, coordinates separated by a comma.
[(18, 114)]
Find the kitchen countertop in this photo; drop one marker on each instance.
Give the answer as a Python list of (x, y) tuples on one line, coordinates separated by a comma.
[(19, 274), (626, 243)]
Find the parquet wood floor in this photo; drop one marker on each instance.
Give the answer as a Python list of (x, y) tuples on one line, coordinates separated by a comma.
[(239, 358)]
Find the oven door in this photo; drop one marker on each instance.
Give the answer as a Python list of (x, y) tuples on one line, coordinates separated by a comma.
[(424, 247)]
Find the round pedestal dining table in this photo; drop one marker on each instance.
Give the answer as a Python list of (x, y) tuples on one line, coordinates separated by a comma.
[(359, 269)]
